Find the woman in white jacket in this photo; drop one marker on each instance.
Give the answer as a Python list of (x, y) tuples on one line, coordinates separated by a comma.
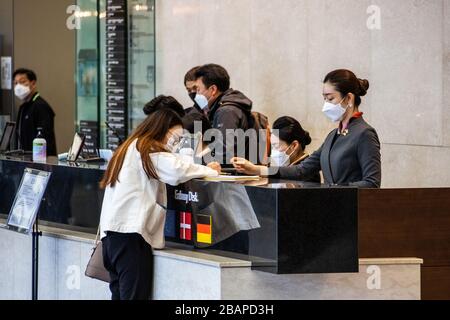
[(133, 214)]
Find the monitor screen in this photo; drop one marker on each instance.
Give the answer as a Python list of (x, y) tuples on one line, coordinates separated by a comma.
[(77, 145), (7, 135)]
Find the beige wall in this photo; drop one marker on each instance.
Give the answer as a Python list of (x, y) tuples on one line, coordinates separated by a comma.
[(43, 43), (277, 52)]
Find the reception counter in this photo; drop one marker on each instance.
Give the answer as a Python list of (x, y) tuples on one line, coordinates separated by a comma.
[(274, 229), (280, 226), (182, 273)]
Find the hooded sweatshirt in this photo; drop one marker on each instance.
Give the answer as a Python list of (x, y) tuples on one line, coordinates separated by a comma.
[(231, 110)]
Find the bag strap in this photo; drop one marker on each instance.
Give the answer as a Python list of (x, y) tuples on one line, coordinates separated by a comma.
[(97, 236)]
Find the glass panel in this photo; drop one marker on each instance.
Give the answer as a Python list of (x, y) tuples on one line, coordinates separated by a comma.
[(102, 43), (87, 76), (141, 58), (87, 62), (91, 63)]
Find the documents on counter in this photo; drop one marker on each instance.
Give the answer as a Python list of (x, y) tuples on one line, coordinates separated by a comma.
[(225, 177)]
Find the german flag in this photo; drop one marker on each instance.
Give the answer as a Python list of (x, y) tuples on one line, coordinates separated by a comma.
[(204, 229)]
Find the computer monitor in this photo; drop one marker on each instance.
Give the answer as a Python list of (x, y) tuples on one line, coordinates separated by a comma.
[(77, 146), (7, 136)]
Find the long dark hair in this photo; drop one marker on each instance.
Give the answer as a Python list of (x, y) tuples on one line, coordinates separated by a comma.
[(150, 135), (345, 82)]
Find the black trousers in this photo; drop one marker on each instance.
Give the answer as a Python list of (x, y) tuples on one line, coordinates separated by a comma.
[(129, 260)]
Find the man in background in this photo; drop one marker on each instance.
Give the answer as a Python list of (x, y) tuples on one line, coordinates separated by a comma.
[(34, 113), (195, 113)]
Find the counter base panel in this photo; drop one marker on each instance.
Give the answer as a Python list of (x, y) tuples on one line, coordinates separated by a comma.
[(184, 274)]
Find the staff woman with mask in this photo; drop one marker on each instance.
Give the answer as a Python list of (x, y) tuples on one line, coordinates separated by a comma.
[(289, 141), (350, 155), (133, 214)]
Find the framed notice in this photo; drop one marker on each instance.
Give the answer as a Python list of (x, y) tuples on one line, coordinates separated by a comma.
[(6, 73), (28, 199)]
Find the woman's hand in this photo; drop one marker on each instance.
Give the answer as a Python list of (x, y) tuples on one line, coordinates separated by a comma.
[(244, 166), (215, 166)]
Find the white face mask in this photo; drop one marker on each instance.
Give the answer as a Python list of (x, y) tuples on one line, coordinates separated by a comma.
[(21, 91), (279, 158), (334, 112), (201, 100)]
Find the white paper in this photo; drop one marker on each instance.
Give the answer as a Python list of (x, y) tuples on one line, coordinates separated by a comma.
[(27, 200)]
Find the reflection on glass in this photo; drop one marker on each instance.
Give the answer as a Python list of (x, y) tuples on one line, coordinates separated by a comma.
[(87, 62), (91, 62), (141, 58)]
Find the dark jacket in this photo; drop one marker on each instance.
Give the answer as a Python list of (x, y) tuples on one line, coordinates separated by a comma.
[(231, 110), (195, 114), (32, 115), (193, 109), (351, 159), (312, 178)]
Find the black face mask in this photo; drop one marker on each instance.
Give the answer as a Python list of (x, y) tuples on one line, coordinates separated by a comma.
[(192, 96)]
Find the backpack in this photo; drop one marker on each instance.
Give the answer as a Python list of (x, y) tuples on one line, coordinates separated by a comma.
[(261, 122)]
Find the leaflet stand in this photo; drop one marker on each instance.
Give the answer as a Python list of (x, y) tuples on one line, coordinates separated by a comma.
[(35, 258), (23, 216)]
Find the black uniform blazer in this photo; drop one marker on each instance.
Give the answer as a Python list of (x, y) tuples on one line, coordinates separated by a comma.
[(351, 158)]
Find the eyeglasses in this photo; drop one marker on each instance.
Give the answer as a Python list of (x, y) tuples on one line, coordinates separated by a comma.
[(174, 139)]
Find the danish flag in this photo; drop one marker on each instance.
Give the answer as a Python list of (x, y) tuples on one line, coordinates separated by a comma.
[(185, 225)]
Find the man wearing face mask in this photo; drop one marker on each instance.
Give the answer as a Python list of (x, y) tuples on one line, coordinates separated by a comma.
[(191, 88), (194, 113), (34, 113), (226, 108), (350, 155)]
